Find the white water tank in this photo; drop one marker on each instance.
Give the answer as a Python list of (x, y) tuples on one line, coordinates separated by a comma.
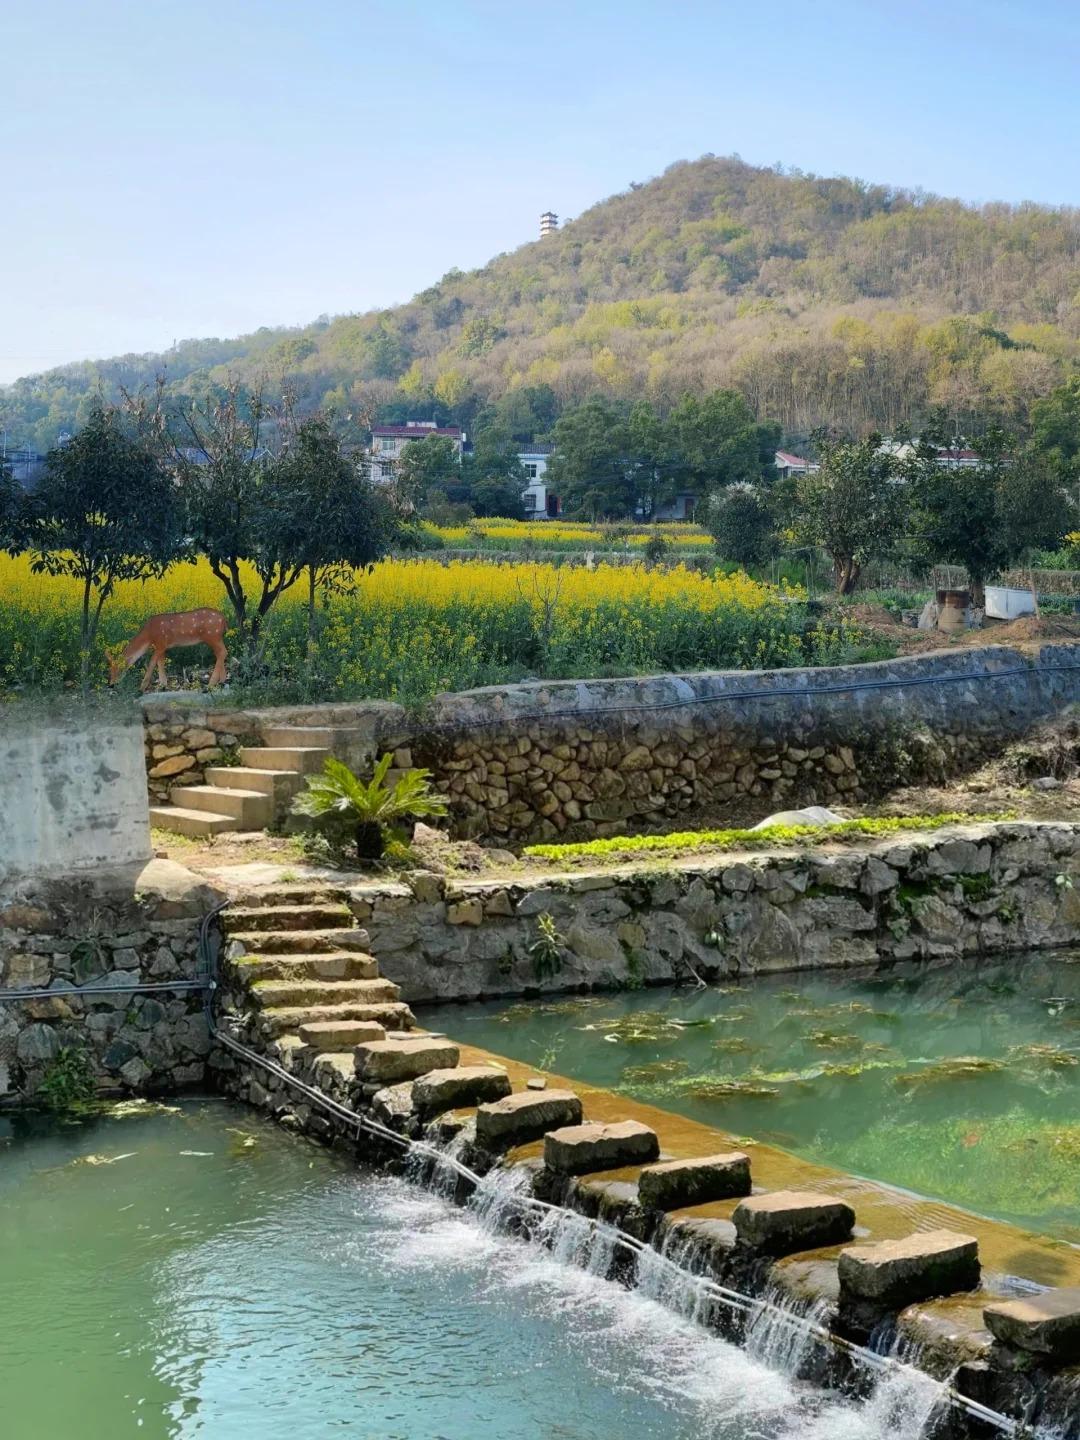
[(1005, 603)]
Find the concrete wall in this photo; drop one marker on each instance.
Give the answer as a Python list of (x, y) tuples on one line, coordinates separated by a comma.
[(72, 791), (945, 894), (577, 758)]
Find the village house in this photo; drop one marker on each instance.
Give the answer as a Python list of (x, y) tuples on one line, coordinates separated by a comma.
[(388, 442)]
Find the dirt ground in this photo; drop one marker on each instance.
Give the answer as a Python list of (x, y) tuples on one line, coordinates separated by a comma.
[(1027, 633)]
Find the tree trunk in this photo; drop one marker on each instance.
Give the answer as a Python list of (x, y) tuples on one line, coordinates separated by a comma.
[(84, 638), (369, 842), (311, 615), (847, 573)]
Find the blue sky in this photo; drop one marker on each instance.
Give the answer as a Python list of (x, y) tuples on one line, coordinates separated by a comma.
[(202, 167)]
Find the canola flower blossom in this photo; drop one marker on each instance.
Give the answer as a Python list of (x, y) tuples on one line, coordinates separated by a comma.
[(413, 627), (499, 534)]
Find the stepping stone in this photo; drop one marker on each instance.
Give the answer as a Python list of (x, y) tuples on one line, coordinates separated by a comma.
[(676, 1183), (1046, 1325), (527, 1116), (893, 1273), (441, 1090), (580, 1149), (340, 1034), (785, 1221), (385, 1062)]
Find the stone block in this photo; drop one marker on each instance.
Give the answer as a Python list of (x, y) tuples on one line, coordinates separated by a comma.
[(466, 912), (389, 1061), (328, 1035), (1046, 1325), (524, 1117), (441, 1090), (786, 1221), (698, 1181), (581, 1149), (895, 1273)]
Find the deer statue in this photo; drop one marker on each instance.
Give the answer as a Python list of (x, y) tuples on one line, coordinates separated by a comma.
[(165, 632)]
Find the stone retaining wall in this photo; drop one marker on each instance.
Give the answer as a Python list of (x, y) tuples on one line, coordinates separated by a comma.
[(576, 759), (963, 891), (129, 927)]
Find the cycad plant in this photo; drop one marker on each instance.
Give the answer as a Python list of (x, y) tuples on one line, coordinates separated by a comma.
[(339, 803)]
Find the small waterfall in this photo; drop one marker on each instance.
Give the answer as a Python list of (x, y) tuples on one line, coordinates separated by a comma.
[(671, 1276), (781, 1330), (497, 1200)]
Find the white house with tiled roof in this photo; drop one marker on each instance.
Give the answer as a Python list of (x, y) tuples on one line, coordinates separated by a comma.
[(388, 442)]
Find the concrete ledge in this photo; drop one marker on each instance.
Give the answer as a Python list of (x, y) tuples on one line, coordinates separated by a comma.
[(678, 1183), (581, 1149), (789, 1220)]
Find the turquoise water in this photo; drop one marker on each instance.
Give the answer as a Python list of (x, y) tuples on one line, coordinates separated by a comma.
[(960, 1082), (196, 1272)]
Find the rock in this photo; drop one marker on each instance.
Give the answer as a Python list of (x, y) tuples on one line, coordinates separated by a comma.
[(785, 1221), (466, 912), (537, 1082), (524, 1117), (393, 1105), (1046, 1325), (895, 1273), (580, 1149), (329, 1035), (1046, 782), (37, 1044), (698, 1181), (174, 765), (441, 1090), (499, 904), (135, 1073), (403, 1059)]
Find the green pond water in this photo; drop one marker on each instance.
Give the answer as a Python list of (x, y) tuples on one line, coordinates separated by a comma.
[(960, 1082), (196, 1272)]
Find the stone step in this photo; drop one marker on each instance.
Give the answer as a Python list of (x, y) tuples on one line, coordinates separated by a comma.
[(324, 965), (284, 1019), (300, 942), (289, 737), (341, 1035), (890, 1274), (298, 892), (252, 810), (194, 823), (786, 1221), (331, 916), (1045, 1327), (527, 1116), (442, 1090), (277, 785), (677, 1184), (276, 994), (301, 759), (582, 1149), (389, 1061)]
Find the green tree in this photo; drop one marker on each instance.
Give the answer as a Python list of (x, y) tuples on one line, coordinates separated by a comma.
[(105, 510), (1055, 431), (741, 522), (713, 441), (853, 506), (495, 475), (984, 517), (424, 465), (328, 516), (12, 511), (591, 469), (649, 452)]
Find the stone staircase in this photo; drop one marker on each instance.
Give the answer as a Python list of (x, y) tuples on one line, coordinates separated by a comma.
[(253, 795), (297, 960)]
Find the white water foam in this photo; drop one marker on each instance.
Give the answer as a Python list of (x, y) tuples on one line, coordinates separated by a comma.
[(634, 1339)]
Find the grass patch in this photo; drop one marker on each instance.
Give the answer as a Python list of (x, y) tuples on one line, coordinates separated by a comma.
[(772, 835)]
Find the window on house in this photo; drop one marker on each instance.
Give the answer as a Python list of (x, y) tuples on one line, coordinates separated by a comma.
[(529, 501), (530, 472), (385, 472), (386, 444)]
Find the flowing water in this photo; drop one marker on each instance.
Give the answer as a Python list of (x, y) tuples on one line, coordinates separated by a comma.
[(192, 1271), (960, 1082)]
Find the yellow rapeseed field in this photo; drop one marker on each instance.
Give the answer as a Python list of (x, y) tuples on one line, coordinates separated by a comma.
[(410, 628), (568, 535)]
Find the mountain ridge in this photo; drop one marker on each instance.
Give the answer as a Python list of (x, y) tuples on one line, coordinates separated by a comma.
[(822, 299)]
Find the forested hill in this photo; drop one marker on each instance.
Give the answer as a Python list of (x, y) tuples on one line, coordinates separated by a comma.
[(823, 300)]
